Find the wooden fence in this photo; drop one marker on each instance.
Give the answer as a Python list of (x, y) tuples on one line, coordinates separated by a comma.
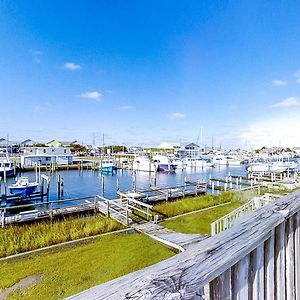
[(258, 258)]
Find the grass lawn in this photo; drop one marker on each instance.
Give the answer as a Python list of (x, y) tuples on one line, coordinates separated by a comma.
[(188, 204), (200, 222), (20, 238), (70, 270)]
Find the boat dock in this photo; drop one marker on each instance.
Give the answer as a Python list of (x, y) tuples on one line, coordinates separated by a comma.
[(155, 194)]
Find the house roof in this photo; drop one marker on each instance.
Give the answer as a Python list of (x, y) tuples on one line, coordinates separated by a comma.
[(27, 142), (192, 145)]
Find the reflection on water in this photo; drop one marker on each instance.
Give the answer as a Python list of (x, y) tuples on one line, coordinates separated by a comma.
[(89, 183)]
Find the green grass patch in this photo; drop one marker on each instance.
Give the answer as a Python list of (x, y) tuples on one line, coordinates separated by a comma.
[(188, 204), (20, 238), (200, 222), (70, 270)]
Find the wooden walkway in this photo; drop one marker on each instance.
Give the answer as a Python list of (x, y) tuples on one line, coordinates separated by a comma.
[(180, 241)]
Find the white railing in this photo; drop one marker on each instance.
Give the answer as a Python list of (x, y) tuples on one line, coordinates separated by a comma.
[(227, 221)]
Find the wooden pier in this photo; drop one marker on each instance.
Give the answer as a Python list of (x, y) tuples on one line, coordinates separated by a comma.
[(45, 210), (180, 241), (155, 194)]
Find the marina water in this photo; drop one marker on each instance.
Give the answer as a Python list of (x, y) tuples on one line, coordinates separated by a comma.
[(89, 183)]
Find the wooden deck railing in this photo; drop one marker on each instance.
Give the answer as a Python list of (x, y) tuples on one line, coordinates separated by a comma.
[(258, 258)]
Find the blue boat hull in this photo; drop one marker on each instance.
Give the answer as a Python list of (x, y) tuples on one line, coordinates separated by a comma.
[(24, 192), (107, 169)]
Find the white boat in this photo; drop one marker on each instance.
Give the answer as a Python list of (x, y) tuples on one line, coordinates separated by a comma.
[(163, 163), (107, 166), (277, 166), (177, 162), (143, 163), (6, 165), (23, 187), (233, 161), (258, 167), (195, 162), (226, 160), (220, 159)]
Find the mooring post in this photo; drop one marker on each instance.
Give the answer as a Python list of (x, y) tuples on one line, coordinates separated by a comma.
[(213, 187), (58, 187), (36, 172), (225, 186), (118, 184), (48, 189), (62, 188), (134, 181), (39, 171), (51, 211), (4, 174), (42, 189), (102, 184)]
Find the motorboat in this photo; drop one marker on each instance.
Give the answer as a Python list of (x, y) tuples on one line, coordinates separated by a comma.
[(23, 187), (163, 163), (107, 166), (144, 163), (195, 162), (6, 166)]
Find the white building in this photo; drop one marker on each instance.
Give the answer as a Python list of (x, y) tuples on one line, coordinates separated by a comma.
[(45, 155)]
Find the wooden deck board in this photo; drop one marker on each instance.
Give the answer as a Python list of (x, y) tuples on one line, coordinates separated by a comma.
[(169, 237)]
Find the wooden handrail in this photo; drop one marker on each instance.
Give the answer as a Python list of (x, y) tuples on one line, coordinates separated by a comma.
[(257, 256)]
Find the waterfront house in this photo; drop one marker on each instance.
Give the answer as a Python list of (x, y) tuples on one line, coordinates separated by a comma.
[(57, 144), (192, 149), (27, 143), (46, 155)]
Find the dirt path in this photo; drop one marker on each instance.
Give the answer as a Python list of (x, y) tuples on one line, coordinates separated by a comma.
[(22, 285)]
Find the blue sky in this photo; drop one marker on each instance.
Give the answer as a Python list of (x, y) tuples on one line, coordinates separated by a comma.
[(144, 72)]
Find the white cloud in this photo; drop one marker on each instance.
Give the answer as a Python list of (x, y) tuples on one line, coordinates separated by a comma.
[(43, 107), (35, 52), (288, 102), (297, 75), (126, 107), (177, 115), (279, 82), (71, 66), (281, 130), (96, 96)]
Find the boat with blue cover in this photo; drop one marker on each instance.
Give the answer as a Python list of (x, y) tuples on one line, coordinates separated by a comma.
[(107, 166)]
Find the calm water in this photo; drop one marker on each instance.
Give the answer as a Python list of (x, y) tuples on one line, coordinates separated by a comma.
[(88, 182)]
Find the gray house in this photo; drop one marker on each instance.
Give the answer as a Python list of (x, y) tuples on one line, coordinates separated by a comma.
[(45, 155)]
